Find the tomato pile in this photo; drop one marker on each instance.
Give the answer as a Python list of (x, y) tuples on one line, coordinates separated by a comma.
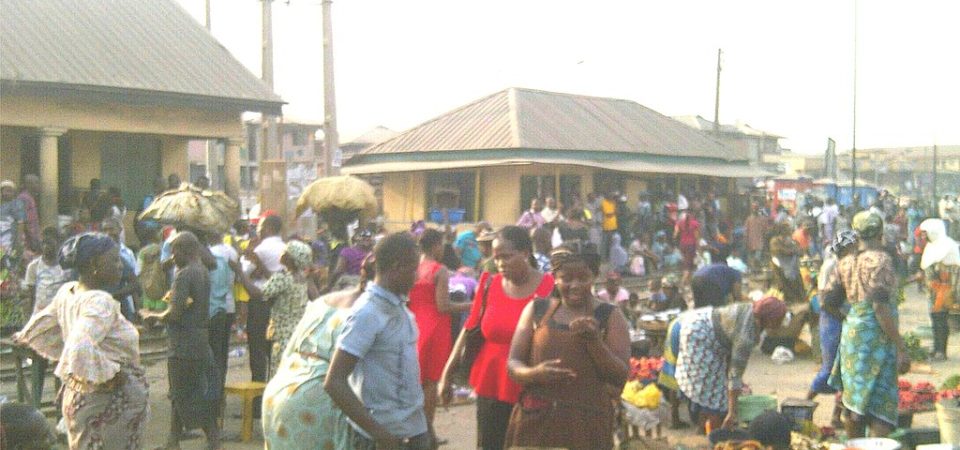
[(916, 398), (645, 369)]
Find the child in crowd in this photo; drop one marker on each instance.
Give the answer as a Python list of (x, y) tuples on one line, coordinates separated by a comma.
[(44, 275), (657, 296)]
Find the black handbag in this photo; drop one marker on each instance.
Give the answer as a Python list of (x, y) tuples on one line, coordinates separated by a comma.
[(474, 337)]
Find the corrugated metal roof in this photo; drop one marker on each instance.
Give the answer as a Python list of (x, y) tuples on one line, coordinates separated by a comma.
[(135, 45), (702, 124), (532, 119), (733, 170)]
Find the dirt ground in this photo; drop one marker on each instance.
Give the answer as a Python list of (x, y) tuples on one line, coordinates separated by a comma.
[(457, 424)]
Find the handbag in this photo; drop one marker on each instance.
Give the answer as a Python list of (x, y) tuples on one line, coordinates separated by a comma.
[(473, 335)]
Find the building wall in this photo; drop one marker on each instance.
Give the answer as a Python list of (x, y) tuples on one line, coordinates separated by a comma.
[(85, 157), (72, 114), (404, 193), (10, 152)]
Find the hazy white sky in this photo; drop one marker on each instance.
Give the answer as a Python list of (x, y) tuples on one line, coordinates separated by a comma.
[(787, 66)]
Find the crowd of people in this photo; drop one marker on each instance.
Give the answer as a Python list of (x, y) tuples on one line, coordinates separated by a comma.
[(360, 339)]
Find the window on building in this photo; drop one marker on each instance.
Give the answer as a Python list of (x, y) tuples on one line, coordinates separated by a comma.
[(606, 182), (298, 137), (536, 186), (570, 188), (197, 171), (253, 134), (451, 190)]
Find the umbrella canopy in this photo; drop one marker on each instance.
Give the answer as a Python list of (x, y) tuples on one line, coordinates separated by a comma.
[(345, 193), (208, 211)]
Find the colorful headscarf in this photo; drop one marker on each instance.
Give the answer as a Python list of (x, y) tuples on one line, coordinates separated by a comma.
[(770, 310), (299, 253), (79, 251), (868, 224), (844, 240)]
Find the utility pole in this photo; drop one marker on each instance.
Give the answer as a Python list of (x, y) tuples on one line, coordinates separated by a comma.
[(268, 122), (330, 137), (716, 101), (212, 160), (853, 152), (935, 164), (273, 169)]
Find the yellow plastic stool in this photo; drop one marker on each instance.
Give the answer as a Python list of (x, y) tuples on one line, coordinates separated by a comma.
[(248, 391)]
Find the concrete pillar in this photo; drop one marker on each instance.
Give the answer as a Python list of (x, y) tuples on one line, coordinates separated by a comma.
[(49, 182), (231, 168)]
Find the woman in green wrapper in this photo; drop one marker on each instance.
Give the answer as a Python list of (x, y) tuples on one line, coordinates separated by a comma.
[(871, 351)]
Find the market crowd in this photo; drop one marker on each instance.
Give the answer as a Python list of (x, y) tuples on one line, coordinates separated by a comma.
[(360, 336)]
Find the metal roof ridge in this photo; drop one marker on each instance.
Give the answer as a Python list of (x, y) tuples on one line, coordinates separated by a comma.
[(433, 119)]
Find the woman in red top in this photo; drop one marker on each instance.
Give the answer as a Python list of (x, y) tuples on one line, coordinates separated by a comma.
[(687, 234), (508, 292), (431, 307)]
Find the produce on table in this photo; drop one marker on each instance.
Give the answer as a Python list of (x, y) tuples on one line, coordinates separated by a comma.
[(645, 369), (952, 382), (915, 349), (915, 397)]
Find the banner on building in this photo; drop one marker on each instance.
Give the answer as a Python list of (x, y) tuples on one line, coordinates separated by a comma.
[(830, 160)]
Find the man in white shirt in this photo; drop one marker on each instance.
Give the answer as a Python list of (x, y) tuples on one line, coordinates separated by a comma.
[(265, 261), (550, 213)]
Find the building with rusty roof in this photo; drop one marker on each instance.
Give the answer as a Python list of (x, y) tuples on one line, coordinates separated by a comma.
[(115, 90), (491, 156)]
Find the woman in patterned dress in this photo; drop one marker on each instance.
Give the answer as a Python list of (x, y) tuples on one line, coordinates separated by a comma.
[(297, 412), (715, 345), (105, 391), (871, 350), (287, 292)]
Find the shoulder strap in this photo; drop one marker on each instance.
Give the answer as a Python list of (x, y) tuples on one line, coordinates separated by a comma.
[(540, 306), (602, 314), (548, 306), (483, 298)]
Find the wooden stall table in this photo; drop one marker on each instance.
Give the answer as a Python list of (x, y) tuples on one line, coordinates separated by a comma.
[(656, 332)]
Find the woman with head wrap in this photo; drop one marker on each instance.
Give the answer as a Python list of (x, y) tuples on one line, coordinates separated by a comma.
[(832, 312), (287, 293), (871, 351), (569, 354), (715, 345), (297, 412), (347, 271), (104, 399), (941, 268)]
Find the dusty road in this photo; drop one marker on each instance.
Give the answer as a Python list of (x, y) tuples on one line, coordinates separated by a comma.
[(457, 424)]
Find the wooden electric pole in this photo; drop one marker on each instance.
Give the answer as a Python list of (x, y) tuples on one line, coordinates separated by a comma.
[(330, 137), (716, 101), (935, 164), (212, 160), (853, 151)]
